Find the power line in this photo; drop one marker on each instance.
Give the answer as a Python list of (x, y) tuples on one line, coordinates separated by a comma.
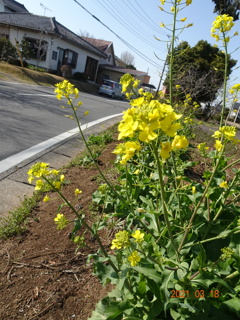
[(144, 17), (127, 24), (143, 56)]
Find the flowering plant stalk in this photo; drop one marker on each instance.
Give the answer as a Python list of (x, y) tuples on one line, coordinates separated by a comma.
[(176, 252)]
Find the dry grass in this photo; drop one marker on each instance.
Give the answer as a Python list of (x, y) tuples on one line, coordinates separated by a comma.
[(10, 72)]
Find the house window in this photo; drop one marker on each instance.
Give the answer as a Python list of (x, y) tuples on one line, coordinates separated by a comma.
[(54, 55), (70, 57), (38, 48)]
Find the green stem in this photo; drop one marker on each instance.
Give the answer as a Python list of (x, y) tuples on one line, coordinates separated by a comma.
[(91, 154), (223, 206), (172, 53), (199, 203), (230, 165), (225, 80), (130, 186), (162, 192), (84, 223)]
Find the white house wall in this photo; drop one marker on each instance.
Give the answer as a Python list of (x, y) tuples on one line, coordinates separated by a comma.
[(110, 53), (19, 34), (54, 44)]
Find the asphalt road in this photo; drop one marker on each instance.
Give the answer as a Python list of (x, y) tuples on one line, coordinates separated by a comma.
[(31, 114)]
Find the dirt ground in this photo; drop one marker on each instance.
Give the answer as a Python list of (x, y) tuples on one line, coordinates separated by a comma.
[(41, 277)]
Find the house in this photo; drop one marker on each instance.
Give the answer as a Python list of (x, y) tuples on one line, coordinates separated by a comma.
[(11, 6), (53, 45), (112, 67)]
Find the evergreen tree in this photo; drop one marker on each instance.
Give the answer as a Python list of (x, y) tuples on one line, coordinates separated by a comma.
[(199, 70), (230, 7)]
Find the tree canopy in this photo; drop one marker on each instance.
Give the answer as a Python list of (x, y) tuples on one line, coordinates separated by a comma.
[(199, 70), (230, 7), (128, 58)]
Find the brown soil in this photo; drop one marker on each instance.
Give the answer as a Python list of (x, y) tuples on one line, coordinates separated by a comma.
[(41, 276)]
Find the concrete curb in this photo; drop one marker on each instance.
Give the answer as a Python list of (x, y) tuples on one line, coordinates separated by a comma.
[(13, 182)]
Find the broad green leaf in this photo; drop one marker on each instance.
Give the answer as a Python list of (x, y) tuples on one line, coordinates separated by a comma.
[(150, 273), (175, 315), (233, 305)]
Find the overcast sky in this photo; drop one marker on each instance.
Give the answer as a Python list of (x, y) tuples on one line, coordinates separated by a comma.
[(132, 25)]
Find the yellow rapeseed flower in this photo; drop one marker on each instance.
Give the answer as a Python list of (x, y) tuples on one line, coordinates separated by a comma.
[(166, 148), (46, 199), (39, 185), (202, 146), (223, 184), (221, 25), (77, 192), (138, 236), (180, 142), (217, 134), (218, 145), (134, 258), (61, 221), (121, 240), (229, 132)]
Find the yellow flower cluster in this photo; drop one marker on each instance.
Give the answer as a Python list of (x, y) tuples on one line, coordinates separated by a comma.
[(134, 258), (179, 142), (223, 184), (145, 117), (202, 146), (221, 25), (121, 240), (66, 89), (128, 150), (226, 253), (187, 2), (41, 170), (128, 82), (235, 88), (61, 221), (227, 132)]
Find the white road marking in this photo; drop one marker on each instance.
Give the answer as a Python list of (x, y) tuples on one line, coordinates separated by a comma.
[(116, 101), (23, 155), (37, 94)]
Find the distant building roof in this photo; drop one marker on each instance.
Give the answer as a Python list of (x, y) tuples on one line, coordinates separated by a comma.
[(47, 25), (151, 86), (123, 70), (14, 6), (102, 45)]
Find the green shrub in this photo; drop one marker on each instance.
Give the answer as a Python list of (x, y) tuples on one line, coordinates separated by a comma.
[(7, 49)]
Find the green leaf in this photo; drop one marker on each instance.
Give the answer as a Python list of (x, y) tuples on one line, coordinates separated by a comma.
[(175, 315), (141, 288), (109, 309), (150, 273), (233, 305)]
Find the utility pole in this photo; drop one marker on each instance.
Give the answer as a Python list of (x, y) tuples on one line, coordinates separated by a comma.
[(45, 8)]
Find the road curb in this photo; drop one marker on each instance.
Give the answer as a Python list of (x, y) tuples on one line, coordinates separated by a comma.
[(13, 182)]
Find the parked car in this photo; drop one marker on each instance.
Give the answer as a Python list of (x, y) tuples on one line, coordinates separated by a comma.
[(111, 88)]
